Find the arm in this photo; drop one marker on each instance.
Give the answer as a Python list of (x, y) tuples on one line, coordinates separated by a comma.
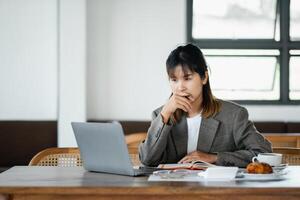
[(152, 151), (248, 142)]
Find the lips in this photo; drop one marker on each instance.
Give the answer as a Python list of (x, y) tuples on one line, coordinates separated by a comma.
[(189, 97)]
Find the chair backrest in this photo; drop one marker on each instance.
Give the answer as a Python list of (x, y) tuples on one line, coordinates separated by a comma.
[(133, 140), (69, 157), (284, 139), (64, 157), (289, 155)]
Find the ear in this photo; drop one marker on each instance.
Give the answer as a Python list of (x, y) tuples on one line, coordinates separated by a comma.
[(204, 81)]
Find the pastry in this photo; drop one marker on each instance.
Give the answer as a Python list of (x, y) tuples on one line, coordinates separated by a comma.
[(259, 168)]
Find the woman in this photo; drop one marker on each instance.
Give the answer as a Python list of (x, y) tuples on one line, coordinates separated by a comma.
[(194, 125)]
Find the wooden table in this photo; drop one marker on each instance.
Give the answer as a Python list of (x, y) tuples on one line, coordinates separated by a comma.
[(25, 182)]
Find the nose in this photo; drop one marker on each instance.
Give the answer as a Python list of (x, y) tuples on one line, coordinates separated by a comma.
[(181, 86)]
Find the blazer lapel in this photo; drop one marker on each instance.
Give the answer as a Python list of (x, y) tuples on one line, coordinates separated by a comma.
[(208, 130), (180, 137)]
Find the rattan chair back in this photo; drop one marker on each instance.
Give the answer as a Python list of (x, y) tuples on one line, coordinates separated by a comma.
[(64, 157), (289, 155)]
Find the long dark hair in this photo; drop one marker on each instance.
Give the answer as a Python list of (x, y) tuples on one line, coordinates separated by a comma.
[(190, 57)]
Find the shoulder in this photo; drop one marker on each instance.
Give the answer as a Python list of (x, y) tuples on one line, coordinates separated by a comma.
[(229, 105), (230, 109), (157, 111)]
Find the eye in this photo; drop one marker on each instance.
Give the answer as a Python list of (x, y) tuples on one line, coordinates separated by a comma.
[(187, 78), (173, 79)]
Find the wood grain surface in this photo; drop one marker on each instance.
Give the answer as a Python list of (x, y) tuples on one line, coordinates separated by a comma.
[(33, 182)]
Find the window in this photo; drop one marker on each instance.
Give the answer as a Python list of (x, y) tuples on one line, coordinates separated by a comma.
[(295, 74), (252, 48), (250, 87), (232, 19), (295, 20)]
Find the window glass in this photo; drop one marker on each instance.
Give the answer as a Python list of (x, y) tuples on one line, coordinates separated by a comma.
[(295, 20), (234, 19), (295, 78), (244, 76), (295, 52)]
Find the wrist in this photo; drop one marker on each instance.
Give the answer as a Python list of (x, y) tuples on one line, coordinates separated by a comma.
[(213, 158), (165, 117)]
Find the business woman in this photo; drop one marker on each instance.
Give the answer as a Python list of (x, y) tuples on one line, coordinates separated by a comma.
[(194, 125)]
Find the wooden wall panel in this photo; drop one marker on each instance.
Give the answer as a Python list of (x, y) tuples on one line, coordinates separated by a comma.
[(21, 140)]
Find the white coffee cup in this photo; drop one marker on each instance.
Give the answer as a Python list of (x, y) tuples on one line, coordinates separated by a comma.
[(273, 159)]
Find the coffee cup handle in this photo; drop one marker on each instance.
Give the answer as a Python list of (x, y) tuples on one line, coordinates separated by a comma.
[(254, 159)]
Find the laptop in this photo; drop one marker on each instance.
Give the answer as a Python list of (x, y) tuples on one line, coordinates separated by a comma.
[(103, 149)]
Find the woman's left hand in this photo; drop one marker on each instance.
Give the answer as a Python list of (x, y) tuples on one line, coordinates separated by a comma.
[(199, 155)]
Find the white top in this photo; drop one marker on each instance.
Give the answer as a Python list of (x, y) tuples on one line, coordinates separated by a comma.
[(193, 124)]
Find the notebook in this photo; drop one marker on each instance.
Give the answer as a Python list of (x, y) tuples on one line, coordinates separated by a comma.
[(103, 149), (195, 165)]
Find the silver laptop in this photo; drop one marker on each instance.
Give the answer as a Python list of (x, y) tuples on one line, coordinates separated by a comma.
[(103, 149)]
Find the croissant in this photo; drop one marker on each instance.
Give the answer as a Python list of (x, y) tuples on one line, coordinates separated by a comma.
[(259, 168)]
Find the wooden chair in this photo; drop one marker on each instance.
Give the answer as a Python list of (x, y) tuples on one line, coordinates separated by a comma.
[(284, 139), (289, 155), (69, 157), (64, 157), (133, 141)]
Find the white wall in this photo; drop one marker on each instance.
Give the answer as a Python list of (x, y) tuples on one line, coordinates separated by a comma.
[(128, 43), (28, 60), (43, 62), (72, 68)]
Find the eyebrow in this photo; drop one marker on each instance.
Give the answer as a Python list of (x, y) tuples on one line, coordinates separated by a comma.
[(188, 74)]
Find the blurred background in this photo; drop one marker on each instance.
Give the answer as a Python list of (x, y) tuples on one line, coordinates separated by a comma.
[(99, 60)]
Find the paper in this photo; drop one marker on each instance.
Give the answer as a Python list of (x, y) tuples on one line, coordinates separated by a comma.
[(196, 165), (221, 173)]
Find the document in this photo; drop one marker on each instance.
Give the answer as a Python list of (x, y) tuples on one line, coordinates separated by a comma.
[(195, 165)]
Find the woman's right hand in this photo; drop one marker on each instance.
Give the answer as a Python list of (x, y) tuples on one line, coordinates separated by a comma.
[(180, 100)]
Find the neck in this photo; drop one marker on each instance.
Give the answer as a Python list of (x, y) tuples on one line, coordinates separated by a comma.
[(196, 107)]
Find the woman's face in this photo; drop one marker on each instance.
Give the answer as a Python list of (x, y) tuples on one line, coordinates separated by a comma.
[(186, 81)]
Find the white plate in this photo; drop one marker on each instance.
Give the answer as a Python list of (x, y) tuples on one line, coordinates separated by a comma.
[(262, 177)]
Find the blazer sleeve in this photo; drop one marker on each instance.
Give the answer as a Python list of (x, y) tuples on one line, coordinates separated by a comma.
[(153, 151), (248, 140)]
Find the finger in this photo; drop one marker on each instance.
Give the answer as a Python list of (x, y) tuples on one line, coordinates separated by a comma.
[(190, 98), (186, 95), (181, 93), (186, 159), (184, 101), (183, 159), (182, 107), (180, 103)]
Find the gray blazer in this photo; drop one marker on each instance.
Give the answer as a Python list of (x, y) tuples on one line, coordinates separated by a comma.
[(229, 134)]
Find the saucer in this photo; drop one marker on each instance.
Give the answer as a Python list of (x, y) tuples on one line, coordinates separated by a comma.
[(280, 167), (262, 177)]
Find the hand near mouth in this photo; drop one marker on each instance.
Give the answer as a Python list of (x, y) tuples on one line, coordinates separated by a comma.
[(190, 98), (179, 100), (186, 95)]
